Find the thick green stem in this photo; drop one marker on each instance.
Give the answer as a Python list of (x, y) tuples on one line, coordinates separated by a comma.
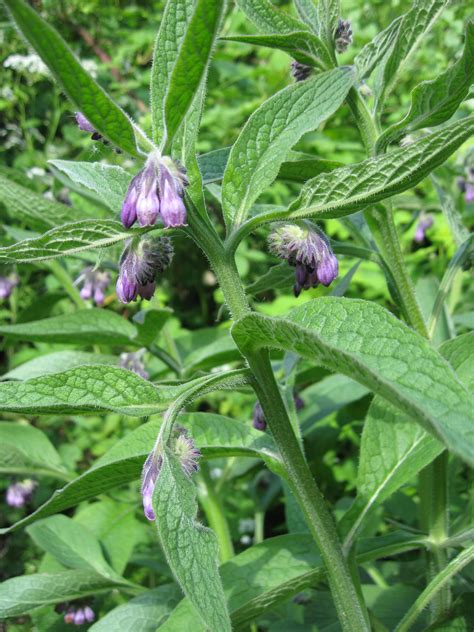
[(212, 507), (351, 611), (435, 520)]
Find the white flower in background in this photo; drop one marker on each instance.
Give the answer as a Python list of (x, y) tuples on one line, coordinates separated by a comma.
[(33, 65), (90, 66)]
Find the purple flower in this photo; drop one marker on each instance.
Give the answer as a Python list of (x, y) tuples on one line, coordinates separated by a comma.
[(6, 286), (133, 361), (184, 448), (425, 222), (150, 472), (83, 124), (156, 191), (89, 614), (19, 494), (78, 616), (141, 261), (94, 284), (300, 71), (343, 35), (469, 193), (307, 249)]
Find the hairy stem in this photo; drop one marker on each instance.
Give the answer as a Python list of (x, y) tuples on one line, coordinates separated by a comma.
[(351, 610)]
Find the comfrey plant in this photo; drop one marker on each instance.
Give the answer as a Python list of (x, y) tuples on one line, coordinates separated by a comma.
[(418, 426)]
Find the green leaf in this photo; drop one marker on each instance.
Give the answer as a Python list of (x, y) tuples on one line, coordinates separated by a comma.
[(279, 123), (32, 209), (21, 595), (72, 545), (413, 27), (329, 12), (308, 12), (281, 276), (192, 60), (373, 52), (115, 524), (26, 450), (451, 212), (268, 18), (69, 240), (86, 389), (217, 353), (142, 614), (168, 42), (394, 449), (459, 352), (271, 572), (89, 98), (348, 189), (215, 435), (109, 183), (56, 362), (434, 102), (86, 327), (365, 342), (303, 46), (192, 551)]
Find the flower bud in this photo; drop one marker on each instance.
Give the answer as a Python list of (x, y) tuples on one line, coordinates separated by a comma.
[(140, 263), (259, 422), (300, 71), (307, 249), (83, 123), (188, 455), (6, 286), (343, 35), (94, 284)]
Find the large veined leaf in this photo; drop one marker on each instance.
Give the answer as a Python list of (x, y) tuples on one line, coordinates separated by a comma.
[(308, 12), (365, 342), (87, 326), (192, 550), (263, 144), (26, 450), (108, 182), (372, 53), (215, 435), (168, 41), (434, 102), (413, 26), (21, 595), (142, 614), (89, 98), (271, 572), (351, 188), (73, 545), (86, 389), (268, 18), (68, 240), (303, 46), (329, 12), (56, 362), (459, 352), (32, 209)]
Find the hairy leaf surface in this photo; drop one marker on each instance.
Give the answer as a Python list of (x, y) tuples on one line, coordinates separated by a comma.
[(264, 142), (365, 342), (265, 15)]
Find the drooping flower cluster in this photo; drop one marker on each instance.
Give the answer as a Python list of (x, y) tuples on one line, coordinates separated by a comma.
[(343, 35), (18, 494), (141, 261), (425, 222), (77, 615), (6, 286), (466, 185), (307, 248), (133, 361), (185, 450), (94, 284), (300, 71), (260, 423), (156, 192)]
